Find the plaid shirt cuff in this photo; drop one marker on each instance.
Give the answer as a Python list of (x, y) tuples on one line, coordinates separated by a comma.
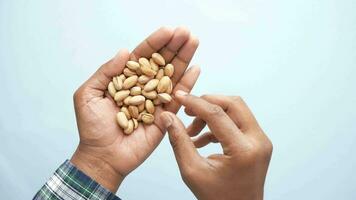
[(70, 183)]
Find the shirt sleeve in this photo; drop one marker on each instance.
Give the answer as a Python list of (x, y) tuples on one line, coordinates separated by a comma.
[(70, 183)]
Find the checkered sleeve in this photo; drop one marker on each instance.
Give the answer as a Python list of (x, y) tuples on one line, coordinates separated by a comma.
[(70, 183)]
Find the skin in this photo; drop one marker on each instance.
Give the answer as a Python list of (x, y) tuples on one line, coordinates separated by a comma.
[(239, 172), (104, 152)]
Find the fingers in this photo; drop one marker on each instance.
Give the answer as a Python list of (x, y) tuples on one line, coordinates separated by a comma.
[(183, 147), (218, 121), (204, 139), (237, 109), (176, 47), (186, 84), (101, 78), (152, 43), (183, 58), (180, 36), (195, 127)]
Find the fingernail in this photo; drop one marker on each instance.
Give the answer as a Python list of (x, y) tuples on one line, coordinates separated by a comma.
[(181, 93), (167, 119)]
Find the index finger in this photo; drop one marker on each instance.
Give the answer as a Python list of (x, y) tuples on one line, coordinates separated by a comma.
[(236, 108), (220, 124)]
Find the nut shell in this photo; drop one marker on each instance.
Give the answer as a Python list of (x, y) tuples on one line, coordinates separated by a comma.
[(122, 120)]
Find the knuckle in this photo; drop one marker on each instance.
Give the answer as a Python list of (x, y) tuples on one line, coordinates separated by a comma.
[(187, 179), (247, 158), (189, 174), (268, 147), (216, 110), (264, 150), (205, 96), (255, 152)]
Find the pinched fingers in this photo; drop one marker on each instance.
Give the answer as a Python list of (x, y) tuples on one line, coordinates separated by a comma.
[(220, 124), (236, 108)]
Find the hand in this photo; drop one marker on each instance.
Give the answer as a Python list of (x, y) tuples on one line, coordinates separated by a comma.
[(104, 152), (239, 173)]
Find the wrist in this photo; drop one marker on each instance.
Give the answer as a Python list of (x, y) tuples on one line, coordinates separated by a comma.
[(97, 169)]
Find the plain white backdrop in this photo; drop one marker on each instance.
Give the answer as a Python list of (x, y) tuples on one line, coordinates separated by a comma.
[(294, 63)]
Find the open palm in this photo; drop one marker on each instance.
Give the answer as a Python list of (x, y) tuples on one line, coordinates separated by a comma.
[(100, 136)]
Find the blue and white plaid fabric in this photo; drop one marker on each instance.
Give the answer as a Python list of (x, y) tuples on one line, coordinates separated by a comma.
[(70, 183)]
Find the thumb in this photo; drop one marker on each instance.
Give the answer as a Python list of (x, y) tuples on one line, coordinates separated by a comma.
[(183, 147)]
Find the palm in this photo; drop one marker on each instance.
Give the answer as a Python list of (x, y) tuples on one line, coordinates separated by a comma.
[(96, 112)]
